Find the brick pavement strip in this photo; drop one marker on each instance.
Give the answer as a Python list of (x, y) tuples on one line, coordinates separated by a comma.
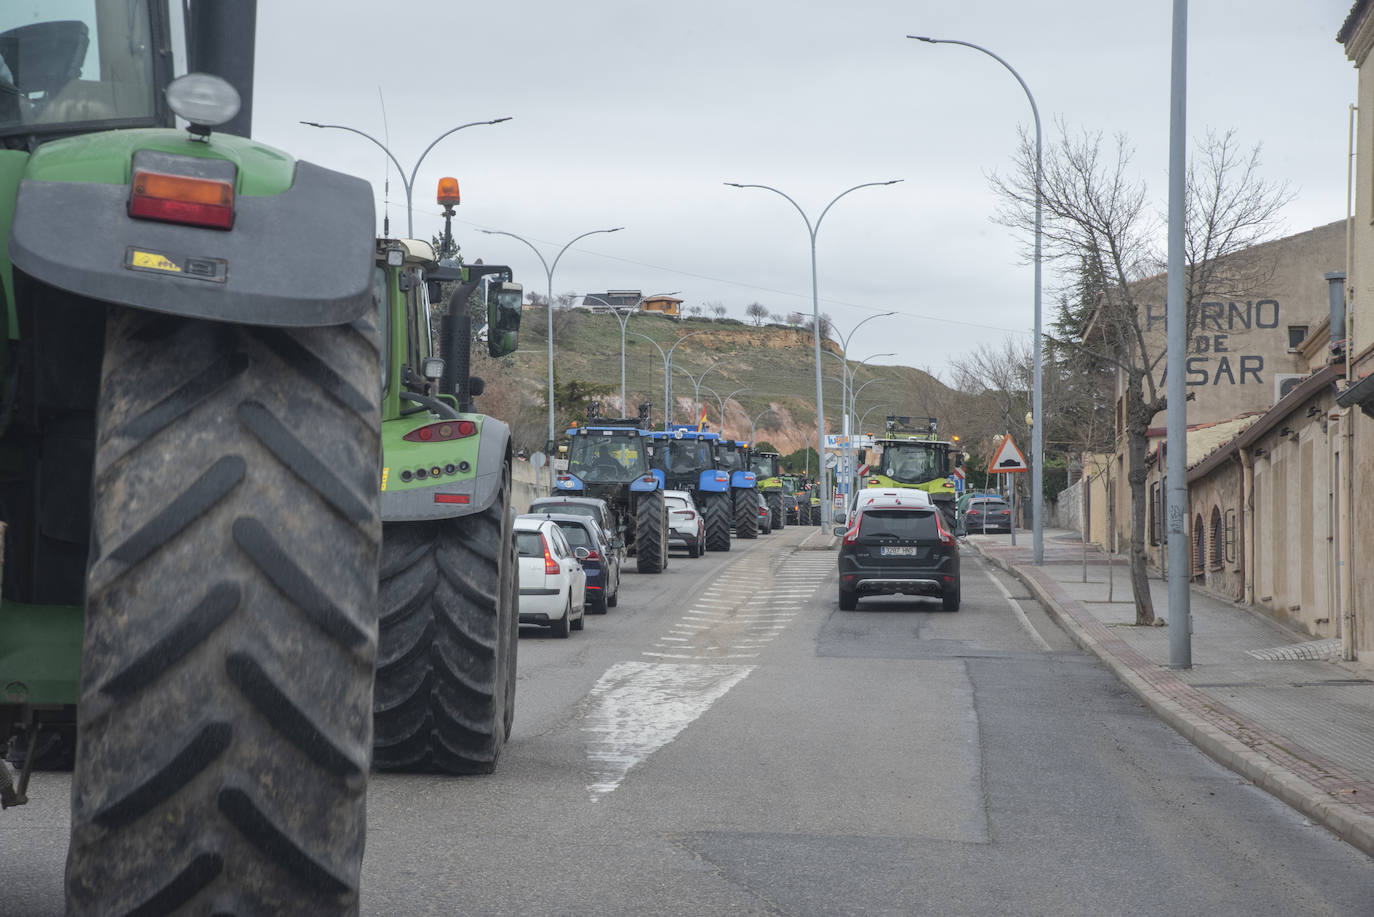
[(1321, 790)]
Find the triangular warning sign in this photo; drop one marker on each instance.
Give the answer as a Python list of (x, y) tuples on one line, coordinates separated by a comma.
[(1008, 459)]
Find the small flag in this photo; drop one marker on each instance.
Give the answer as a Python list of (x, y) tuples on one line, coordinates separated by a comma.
[(702, 422)]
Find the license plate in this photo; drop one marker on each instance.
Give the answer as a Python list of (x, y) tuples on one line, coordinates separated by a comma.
[(897, 550)]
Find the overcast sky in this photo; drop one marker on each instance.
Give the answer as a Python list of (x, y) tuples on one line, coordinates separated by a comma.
[(633, 114)]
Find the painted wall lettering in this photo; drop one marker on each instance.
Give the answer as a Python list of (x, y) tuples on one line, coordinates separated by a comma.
[(1272, 307), (1202, 371)]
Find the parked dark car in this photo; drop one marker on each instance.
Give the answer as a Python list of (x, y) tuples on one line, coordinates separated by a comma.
[(897, 546), (602, 563), (985, 516), (595, 507), (765, 517)]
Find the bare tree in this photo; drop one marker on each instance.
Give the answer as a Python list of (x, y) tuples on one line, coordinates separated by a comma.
[(757, 312), (694, 310), (827, 325), (794, 319), (1098, 219), (719, 310), (777, 318)]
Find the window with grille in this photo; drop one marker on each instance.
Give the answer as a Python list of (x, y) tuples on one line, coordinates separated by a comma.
[(1218, 534), (1199, 546)]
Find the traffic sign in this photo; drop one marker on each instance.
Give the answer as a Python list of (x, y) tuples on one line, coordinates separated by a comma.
[(1008, 459)]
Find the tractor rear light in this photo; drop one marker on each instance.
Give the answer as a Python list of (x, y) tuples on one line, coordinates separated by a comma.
[(551, 567), (461, 499), (722, 477), (873, 481), (648, 479), (182, 199), (440, 432)]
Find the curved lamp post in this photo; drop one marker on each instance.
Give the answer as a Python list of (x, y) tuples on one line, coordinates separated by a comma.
[(409, 183), (667, 369), (827, 513), (753, 424), (1037, 396), (696, 382), (548, 271), (615, 310)]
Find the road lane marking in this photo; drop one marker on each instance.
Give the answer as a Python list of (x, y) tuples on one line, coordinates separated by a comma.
[(1016, 608)]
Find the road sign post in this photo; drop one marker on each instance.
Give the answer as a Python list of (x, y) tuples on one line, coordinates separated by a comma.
[(1009, 460)]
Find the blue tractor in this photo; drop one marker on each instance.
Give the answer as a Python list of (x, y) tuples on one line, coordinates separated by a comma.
[(732, 456), (684, 458), (610, 459)]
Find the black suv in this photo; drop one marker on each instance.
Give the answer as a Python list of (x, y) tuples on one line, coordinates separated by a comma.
[(894, 546)]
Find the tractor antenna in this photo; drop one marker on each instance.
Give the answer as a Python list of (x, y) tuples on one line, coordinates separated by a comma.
[(386, 170)]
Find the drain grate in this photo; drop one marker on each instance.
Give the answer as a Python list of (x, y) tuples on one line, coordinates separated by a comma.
[(1312, 649)]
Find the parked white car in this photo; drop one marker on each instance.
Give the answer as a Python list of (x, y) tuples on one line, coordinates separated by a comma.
[(686, 527), (553, 586)]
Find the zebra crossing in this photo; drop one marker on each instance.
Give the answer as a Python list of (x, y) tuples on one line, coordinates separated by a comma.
[(640, 705), (746, 607)]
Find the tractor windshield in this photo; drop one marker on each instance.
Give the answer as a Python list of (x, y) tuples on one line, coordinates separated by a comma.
[(75, 62), (766, 466), (682, 456), (728, 459), (606, 459), (912, 463)]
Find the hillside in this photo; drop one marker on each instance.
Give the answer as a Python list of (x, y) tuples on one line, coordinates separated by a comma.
[(772, 363)]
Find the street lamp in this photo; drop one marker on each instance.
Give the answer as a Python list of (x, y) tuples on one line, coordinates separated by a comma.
[(753, 424), (624, 405), (667, 369), (827, 513), (409, 183), (1037, 396), (548, 271), (696, 382)]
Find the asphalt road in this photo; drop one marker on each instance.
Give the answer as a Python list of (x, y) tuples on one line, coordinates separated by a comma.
[(728, 742)]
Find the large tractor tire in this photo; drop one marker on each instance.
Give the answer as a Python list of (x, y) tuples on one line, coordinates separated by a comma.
[(718, 517), (803, 511), (774, 500), (651, 535), (746, 514), (446, 653), (226, 677)]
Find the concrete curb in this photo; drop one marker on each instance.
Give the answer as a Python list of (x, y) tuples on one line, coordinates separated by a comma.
[(826, 541), (1351, 825)]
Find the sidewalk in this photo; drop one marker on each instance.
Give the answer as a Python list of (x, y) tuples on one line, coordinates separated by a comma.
[(1271, 705)]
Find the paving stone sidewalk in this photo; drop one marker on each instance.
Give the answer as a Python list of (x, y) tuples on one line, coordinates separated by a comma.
[(1277, 707)]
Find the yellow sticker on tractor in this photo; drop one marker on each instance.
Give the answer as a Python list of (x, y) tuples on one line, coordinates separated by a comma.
[(385, 472), (153, 261)]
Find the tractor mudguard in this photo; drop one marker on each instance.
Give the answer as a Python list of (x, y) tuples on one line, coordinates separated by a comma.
[(713, 482), (744, 479), (482, 489), (643, 484), (662, 478), (564, 482), (292, 259)]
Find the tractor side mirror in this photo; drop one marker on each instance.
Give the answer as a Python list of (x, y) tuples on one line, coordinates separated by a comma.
[(476, 385), (432, 368), (503, 317)]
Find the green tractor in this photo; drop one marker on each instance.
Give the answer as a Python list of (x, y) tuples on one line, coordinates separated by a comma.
[(188, 466), (915, 457), (449, 596), (767, 469)]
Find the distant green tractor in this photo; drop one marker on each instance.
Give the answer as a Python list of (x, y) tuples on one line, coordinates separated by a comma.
[(767, 475), (449, 597)]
